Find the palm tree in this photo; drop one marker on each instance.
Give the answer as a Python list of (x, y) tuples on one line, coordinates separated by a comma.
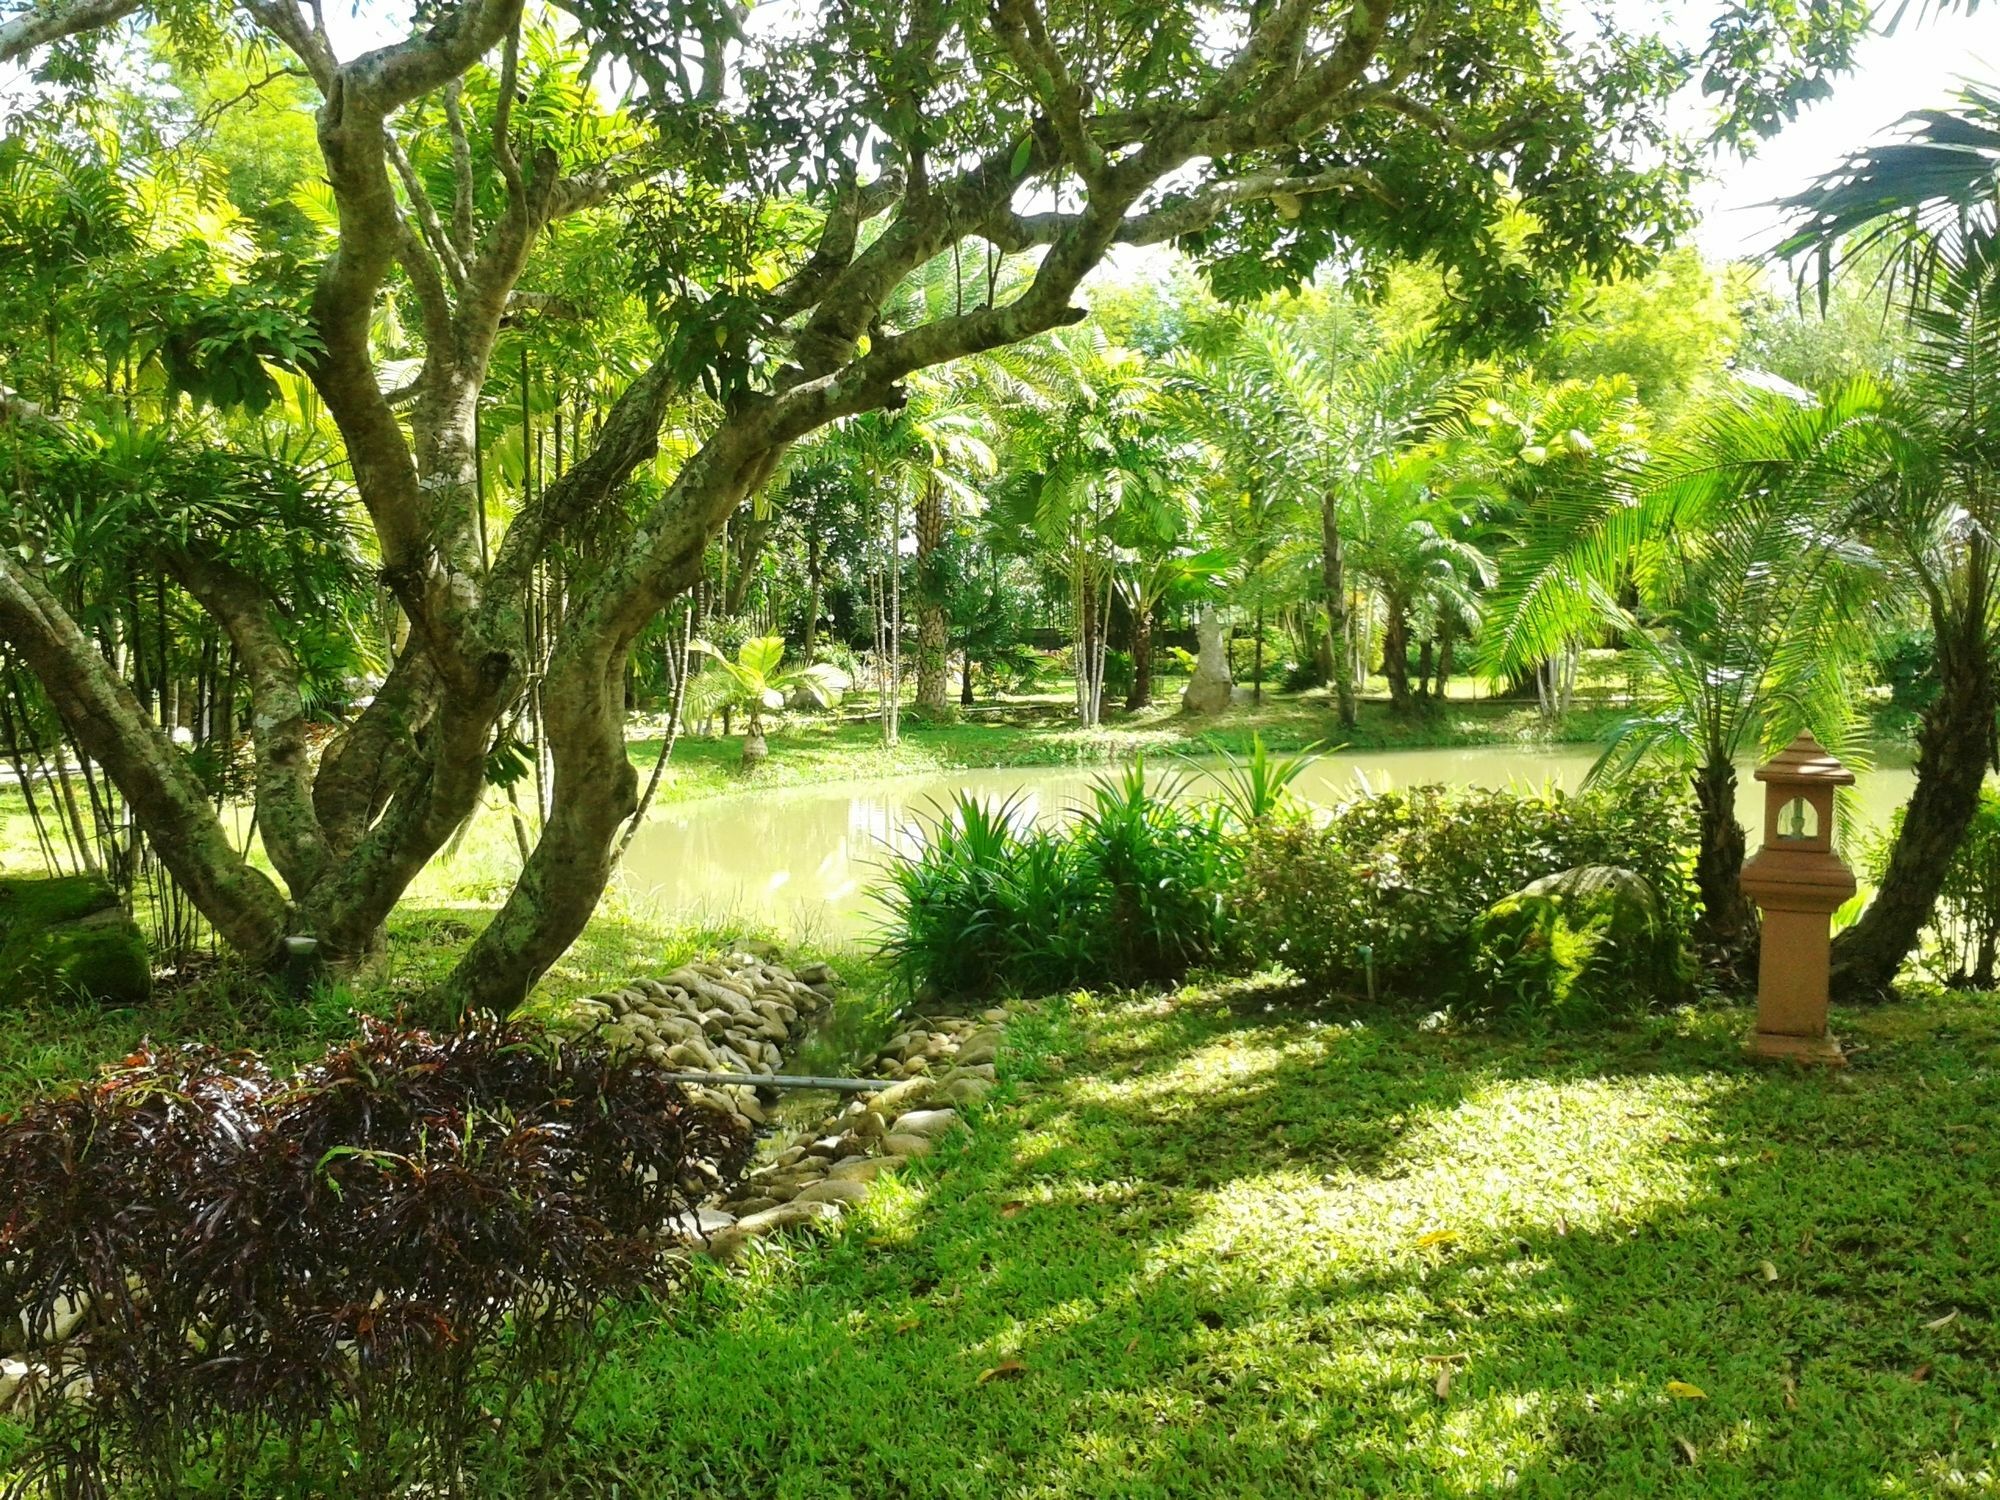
[(1091, 462), (758, 682), (1405, 551), (1927, 207), (1299, 402), (1753, 603)]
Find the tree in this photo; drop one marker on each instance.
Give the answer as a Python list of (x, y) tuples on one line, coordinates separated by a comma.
[(757, 682), (1751, 608), (775, 185), (1927, 210)]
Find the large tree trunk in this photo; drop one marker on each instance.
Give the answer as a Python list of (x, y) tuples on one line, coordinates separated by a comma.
[(1727, 931), (931, 632), (1396, 654), (1333, 582), (1954, 747), (1141, 693)]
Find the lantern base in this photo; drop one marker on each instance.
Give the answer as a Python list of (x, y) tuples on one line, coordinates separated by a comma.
[(1821, 1051)]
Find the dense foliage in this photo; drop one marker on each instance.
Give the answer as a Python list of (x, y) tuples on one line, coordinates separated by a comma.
[(384, 1266), (1379, 897), (1128, 892)]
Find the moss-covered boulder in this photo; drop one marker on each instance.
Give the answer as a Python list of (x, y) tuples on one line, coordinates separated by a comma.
[(67, 937), (1577, 946)]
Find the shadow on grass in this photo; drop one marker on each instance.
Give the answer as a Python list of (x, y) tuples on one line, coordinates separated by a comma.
[(1232, 1250)]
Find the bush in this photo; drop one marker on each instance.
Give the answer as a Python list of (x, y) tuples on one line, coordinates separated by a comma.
[(1581, 945), (376, 1271), (1128, 893), (1965, 925), (1392, 883)]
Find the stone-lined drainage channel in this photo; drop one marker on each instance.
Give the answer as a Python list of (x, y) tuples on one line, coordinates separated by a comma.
[(743, 1015)]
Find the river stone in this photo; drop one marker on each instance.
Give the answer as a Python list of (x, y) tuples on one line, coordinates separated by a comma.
[(66, 937), (996, 1015), (982, 1047), (833, 1190), (967, 1090), (894, 1144), (984, 1071), (897, 1098), (859, 1169), (925, 1122), (816, 974)]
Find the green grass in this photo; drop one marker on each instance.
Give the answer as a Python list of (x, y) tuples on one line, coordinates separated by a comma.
[(1234, 1247)]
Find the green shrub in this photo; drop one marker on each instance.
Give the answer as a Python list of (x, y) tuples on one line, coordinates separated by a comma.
[(1964, 938), (1581, 945), (1385, 888), (1130, 892)]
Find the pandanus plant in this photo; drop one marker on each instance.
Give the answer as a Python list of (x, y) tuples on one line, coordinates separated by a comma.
[(757, 682)]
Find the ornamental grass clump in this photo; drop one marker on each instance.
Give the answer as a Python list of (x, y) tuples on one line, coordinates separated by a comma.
[(383, 1271), (1130, 892)]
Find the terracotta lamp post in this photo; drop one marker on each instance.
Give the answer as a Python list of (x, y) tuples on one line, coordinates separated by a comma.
[(1797, 882)]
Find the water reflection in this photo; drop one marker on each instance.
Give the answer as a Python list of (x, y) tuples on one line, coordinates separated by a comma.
[(803, 859)]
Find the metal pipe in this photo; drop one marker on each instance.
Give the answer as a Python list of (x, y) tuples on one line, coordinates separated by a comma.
[(787, 1081)]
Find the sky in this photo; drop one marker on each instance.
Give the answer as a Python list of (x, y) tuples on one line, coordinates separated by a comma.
[(1917, 68)]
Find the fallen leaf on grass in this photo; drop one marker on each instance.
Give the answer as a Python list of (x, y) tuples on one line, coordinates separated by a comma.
[(1687, 1451), (1437, 1237), (1920, 1374), (1444, 1382), (1008, 1210), (1685, 1392), (1770, 1271), (1007, 1369), (1132, 1344), (1791, 1394), (1936, 1323), (908, 1324)]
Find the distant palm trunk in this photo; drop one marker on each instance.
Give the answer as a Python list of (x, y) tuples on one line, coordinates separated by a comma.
[(931, 663), (1333, 581)]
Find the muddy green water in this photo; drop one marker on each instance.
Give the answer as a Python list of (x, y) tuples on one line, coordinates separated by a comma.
[(802, 859)]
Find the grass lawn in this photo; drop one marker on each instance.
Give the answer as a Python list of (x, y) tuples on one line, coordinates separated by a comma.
[(1208, 1245)]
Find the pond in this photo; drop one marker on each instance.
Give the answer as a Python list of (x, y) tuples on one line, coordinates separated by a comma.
[(802, 859)]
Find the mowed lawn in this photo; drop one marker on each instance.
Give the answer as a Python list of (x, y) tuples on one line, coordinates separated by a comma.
[(1211, 1244)]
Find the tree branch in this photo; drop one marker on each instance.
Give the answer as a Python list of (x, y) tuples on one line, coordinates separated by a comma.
[(106, 720), (285, 815), (43, 25)]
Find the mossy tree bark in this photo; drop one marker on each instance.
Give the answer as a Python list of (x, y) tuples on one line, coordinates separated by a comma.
[(1955, 745)]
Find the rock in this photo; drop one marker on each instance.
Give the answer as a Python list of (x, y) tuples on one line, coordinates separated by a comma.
[(980, 1047), (1574, 946), (859, 1169), (903, 1096), (726, 1243), (985, 1071), (927, 1123), (1208, 691), (834, 1190), (13, 1375), (812, 975), (996, 1015), (755, 1205), (967, 1090), (66, 937), (906, 1145)]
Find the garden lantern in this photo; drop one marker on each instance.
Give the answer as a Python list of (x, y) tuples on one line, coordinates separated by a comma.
[(1798, 882)]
